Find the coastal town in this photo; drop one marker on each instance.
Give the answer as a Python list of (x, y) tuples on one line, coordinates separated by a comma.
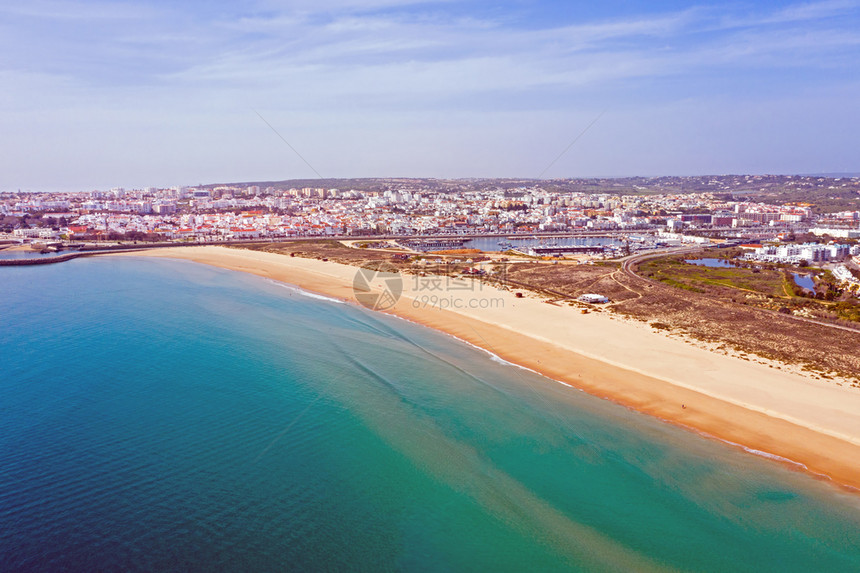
[(763, 213), (424, 207)]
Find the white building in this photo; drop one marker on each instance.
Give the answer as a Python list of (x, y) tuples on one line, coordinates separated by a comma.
[(794, 254), (38, 233), (842, 274), (593, 298), (835, 232)]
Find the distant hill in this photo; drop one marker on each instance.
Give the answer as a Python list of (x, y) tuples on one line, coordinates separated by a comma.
[(834, 175), (829, 193)]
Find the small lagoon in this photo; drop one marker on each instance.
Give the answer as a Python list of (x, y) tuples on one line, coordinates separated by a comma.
[(713, 263), (804, 281), (800, 279)]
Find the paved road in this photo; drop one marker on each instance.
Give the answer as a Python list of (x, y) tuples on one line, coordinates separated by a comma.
[(629, 261)]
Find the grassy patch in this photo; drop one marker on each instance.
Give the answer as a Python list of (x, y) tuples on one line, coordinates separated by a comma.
[(675, 272)]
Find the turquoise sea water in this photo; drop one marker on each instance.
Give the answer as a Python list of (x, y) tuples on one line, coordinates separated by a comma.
[(158, 415)]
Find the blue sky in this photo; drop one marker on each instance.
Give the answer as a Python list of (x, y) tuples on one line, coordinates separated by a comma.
[(98, 94)]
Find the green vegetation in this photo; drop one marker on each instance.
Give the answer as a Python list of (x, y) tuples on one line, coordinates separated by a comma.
[(675, 272), (726, 254), (849, 310), (822, 199), (769, 286)]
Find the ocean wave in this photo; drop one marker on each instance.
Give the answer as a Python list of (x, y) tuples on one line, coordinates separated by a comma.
[(769, 456), (496, 358), (305, 293), (493, 356)]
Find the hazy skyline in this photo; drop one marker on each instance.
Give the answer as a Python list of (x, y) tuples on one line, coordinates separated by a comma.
[(102, 94)]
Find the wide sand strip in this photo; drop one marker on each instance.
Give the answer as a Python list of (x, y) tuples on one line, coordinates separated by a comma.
[(813, 423)]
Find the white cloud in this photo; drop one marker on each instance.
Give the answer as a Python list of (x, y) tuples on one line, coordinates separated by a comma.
[(76, 10), (364, 86), (812, 11)]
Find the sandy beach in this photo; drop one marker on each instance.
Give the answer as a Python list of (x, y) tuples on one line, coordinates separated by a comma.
[(813, 424)]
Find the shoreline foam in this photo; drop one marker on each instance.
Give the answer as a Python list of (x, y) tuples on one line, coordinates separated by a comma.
[(782, 416)]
